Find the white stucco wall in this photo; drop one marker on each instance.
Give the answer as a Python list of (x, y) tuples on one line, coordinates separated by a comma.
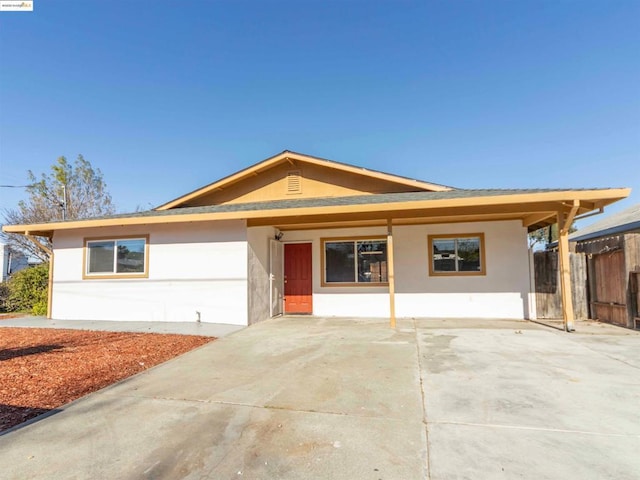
[(195, 267), (205, 267), (502, 293)]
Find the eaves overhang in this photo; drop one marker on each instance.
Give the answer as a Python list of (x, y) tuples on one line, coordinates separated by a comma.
[(535, 208)]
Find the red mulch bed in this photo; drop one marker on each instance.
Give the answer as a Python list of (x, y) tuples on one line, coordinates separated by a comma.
[(42, 369)]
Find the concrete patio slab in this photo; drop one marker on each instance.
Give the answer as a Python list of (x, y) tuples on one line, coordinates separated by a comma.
[(137, 437), (557, 384), (530, 403), (181, 328), (308, 365), (299, 398), (472, 452)]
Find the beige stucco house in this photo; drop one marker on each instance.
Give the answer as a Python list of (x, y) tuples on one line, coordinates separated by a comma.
[(296, 234)]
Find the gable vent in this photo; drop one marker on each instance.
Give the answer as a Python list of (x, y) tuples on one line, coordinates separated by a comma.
[(294, 182)]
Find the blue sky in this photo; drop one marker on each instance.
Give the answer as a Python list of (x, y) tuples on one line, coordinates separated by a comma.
[(166, 96)]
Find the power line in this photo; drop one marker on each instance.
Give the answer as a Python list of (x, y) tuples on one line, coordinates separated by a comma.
[(61, 203)]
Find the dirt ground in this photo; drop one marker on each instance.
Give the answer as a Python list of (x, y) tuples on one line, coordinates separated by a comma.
[(42, 369)]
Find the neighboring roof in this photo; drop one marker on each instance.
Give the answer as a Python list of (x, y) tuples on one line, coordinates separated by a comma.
[(624, 221), (300, 157), (532, 206)]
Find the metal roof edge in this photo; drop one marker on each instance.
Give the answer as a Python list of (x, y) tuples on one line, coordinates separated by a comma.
[(627, 227)]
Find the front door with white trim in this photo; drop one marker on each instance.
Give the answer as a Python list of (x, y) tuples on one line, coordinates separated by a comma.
[(276, 277)]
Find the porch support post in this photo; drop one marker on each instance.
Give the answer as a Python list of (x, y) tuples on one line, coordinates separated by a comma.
[(564, 224), (48, 251), (50, 288), (390, 275)]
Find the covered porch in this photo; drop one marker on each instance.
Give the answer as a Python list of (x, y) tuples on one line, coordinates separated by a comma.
[(459, 210)]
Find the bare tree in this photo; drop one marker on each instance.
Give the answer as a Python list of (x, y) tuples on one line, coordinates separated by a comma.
[(69, 192), (547, 235)]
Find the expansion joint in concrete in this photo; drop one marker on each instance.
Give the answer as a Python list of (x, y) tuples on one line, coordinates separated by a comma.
[(423, 401), (607, 355), (266, 407), (538, 429)]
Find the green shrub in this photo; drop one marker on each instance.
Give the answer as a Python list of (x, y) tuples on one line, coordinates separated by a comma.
[(39, 308), (4, 295), (28, 290)]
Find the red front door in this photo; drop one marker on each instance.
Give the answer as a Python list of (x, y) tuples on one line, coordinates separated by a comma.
[(298, 287)]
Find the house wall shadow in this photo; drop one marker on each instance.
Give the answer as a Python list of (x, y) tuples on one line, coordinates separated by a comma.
[(14, 417), (9, 353)]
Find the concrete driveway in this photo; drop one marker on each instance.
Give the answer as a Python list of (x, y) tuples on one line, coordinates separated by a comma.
[(301, 398)]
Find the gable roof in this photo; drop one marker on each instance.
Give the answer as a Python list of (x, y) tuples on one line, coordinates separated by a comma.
[(623, 221), (289, 156)]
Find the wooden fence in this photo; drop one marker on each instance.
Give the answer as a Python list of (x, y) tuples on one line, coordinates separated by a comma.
[(614, 272), (609, 301), (547, 285)]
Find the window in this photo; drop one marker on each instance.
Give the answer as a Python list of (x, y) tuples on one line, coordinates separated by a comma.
[(354, 261), (457, 254), (116, 258)]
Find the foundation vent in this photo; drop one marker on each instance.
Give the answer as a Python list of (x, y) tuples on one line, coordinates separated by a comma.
[(294, 182)]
